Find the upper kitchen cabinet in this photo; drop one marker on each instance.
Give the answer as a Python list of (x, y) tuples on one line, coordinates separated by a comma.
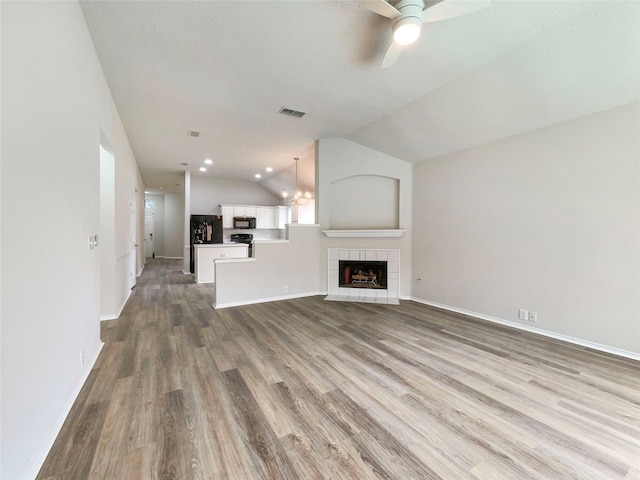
[(283, 216), (267, 217), (244, 211), (227, 215)]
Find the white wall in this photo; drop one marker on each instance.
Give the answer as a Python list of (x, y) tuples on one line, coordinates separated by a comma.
[(295, 264), (337, 159), (107, 231), (547, 221), (55, 102), (208, 193), (186, 225), (173, 225)]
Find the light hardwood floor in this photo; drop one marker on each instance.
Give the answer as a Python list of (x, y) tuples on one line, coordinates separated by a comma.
[(316, 390)]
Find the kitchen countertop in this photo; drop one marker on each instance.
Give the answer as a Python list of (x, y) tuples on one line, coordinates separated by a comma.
[(235, 260), (270, 240), (219, 245)]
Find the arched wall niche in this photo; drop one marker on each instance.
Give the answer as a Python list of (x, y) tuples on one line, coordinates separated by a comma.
[(364, 202)]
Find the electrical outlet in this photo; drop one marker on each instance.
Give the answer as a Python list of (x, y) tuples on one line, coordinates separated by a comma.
[(523, 314), (81, 358), (533, 317), (286, 289)]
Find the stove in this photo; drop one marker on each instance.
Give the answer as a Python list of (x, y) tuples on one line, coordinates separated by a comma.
[(243, 238)]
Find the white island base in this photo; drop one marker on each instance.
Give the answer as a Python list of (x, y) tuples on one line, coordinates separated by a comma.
[(207, 254)]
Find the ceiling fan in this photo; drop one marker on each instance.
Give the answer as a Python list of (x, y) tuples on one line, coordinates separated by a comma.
[(409, 15)]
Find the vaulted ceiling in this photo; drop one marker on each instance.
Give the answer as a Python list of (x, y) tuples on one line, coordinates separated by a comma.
[(225, 68)]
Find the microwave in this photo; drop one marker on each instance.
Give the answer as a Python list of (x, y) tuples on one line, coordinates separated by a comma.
[(244, 222)]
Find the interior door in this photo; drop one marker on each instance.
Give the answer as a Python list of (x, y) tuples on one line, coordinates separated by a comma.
[(149, 225)]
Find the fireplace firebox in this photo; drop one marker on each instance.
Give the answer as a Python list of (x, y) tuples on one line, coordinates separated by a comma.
[(362, 274)]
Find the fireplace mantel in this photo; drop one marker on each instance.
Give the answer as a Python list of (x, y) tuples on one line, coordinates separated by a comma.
[(362, 233)]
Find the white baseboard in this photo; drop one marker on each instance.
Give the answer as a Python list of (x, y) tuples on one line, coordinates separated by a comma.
[(172, 258), (41, 454), (117, 315), (265, 300), (558, 336)]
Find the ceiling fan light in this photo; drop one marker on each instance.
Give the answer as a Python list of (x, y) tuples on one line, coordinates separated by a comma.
[(406, 30)]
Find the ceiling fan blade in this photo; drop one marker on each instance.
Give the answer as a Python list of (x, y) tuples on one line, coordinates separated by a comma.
[(391, 57), (380, 7), (453, 8)]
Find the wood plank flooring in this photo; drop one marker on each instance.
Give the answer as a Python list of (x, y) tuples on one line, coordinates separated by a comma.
[(306, 389)]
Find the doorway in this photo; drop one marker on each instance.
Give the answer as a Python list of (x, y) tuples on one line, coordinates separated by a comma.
[(149, 226)]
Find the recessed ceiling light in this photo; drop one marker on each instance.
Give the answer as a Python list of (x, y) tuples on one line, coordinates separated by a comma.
[(269, 169), (208, 161), (257, 175), (202, 169)]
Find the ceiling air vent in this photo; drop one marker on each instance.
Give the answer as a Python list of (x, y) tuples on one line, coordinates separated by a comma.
[(193, 133), (291, 112)]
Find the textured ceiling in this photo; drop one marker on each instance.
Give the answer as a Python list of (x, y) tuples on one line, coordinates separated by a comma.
[(224, 68)]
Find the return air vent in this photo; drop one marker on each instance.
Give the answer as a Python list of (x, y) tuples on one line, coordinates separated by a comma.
[(193, 133), (291, 112)]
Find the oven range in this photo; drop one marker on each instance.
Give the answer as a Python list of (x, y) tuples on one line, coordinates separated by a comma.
[(243, 238)]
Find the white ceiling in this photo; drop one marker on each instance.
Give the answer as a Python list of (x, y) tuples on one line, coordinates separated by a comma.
[(224, 68)]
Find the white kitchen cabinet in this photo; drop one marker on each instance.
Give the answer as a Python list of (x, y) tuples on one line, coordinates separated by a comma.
[(271, 220), (227, 216), (207, 254), (260, 217), (245, 211), (266, 217), (283, 216)]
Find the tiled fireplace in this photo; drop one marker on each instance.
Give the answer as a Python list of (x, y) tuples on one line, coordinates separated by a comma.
[(364, 275)]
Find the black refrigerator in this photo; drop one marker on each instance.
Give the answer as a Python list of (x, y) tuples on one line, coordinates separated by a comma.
[(204, 229)]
